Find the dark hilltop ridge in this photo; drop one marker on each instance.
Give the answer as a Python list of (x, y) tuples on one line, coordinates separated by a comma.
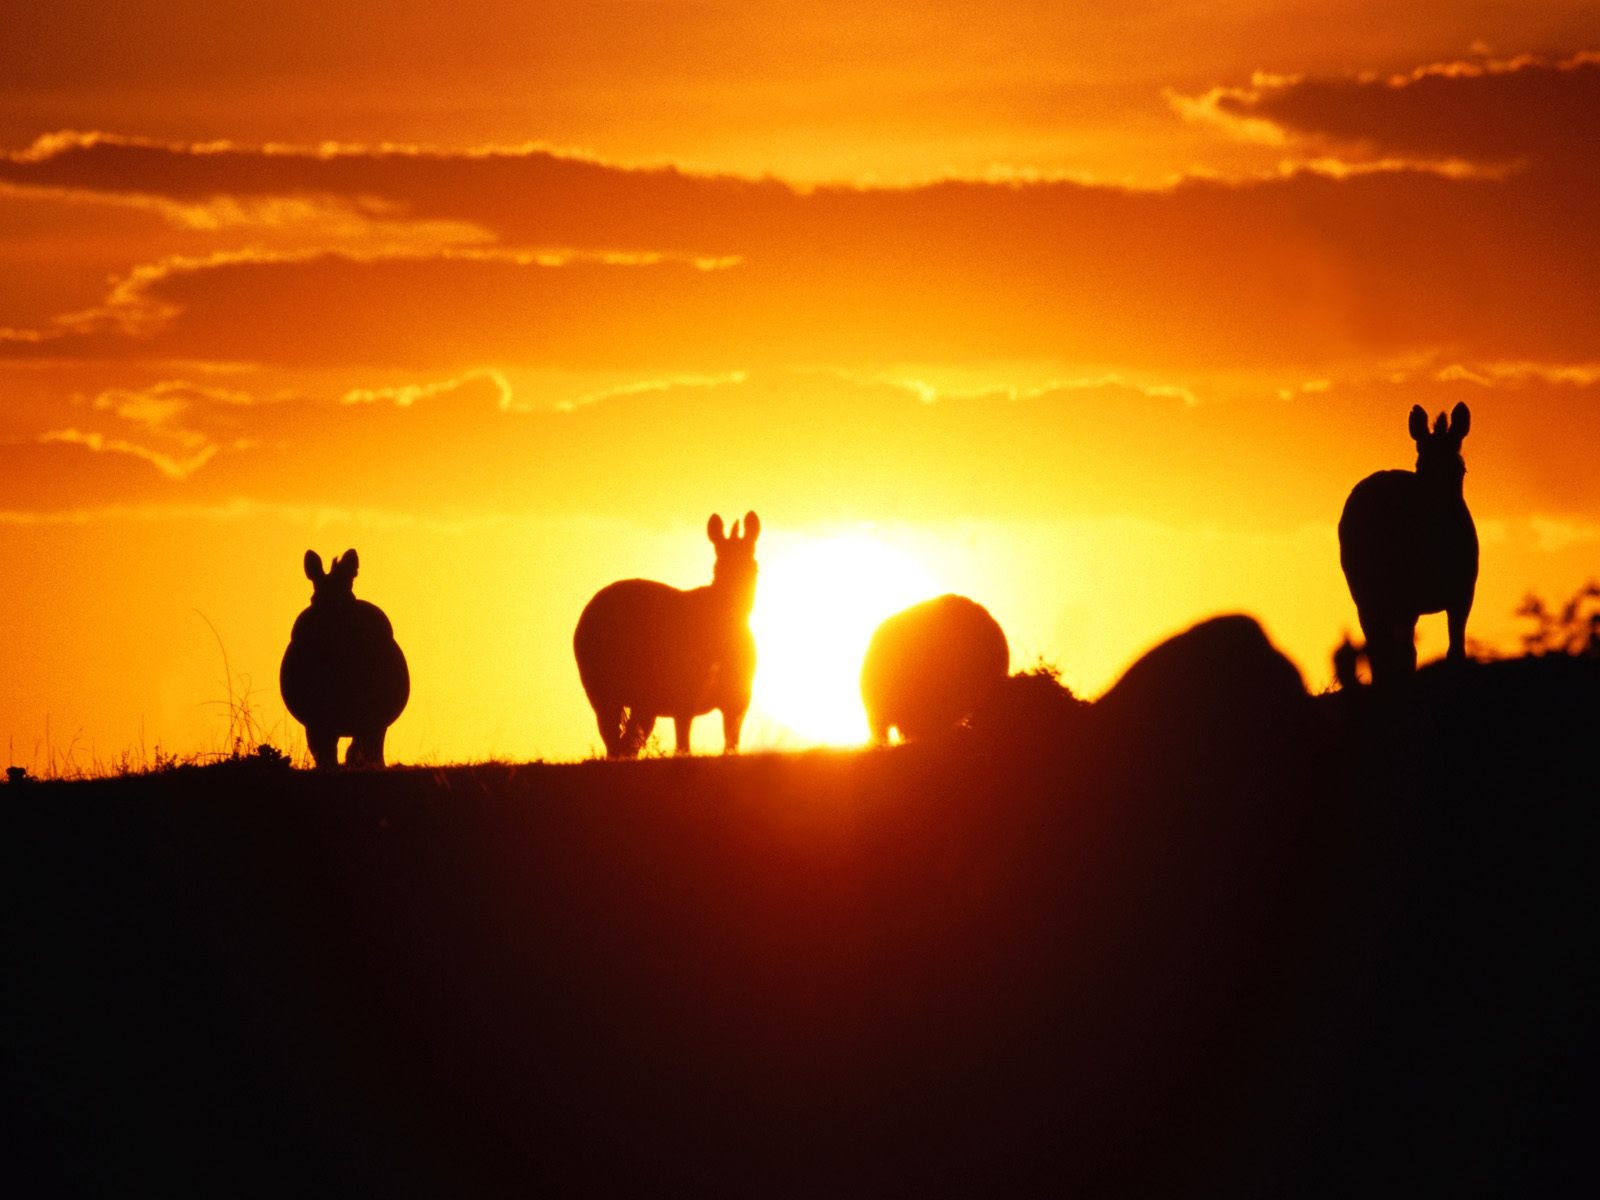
[(1208, 936)]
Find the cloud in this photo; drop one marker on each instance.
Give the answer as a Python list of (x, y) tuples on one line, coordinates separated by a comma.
[(1519, 374), (813, 446), (1527, 109), (526, 195), (169, 465), (405, 395), (1418, 248), (1308, 271)]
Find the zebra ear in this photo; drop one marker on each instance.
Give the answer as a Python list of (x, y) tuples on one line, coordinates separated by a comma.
[(752, 527), (714, 530), (314, 571), (346, 565), (1460, 421), (1419, 423)]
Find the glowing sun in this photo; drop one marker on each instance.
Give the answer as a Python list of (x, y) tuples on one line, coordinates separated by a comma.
[(816, 608)]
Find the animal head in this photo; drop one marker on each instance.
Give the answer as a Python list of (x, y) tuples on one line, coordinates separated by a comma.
[(736, 554), (334, 585), (1439, 449)]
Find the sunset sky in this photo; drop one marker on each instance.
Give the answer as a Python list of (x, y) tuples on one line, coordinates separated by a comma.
[(1092, 312)]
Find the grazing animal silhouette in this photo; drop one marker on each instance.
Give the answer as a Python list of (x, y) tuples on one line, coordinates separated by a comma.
[(929, 667), (1218, 696), (1408, 547), (646, 650), (343, 674), (1225, 667)]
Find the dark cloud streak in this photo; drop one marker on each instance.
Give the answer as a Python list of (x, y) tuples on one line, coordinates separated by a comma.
[(1528, 109)]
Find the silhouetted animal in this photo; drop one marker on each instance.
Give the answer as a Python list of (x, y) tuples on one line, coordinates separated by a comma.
[(343, 674), (646, 650), (1212, 686), (1408, 547), (931, 666)]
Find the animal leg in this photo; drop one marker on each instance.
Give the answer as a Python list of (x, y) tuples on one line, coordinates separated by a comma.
[(324, 747), (732, 723), (879, 729), (367, 748), (1456, 622), (1405, 647), (1391, 646), (680, 727), (640, 726), (612, 720)]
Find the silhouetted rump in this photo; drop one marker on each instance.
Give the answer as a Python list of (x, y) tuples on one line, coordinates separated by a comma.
[(1381, 533), (346, 684), (930, 666)]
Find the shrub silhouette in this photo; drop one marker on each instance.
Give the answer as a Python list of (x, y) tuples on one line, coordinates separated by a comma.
[(1408, 547), (1572, 629), (646, 650), (1031, 706), (343, 674), (930, 667)]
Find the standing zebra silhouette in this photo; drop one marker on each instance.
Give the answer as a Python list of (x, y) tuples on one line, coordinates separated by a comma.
[(1408, 547), (646, 650), (343, 674)]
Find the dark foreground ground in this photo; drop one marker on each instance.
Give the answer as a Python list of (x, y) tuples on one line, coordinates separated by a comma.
[(1333, 948)]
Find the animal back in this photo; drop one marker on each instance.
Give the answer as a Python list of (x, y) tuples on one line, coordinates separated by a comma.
[(654, 648)]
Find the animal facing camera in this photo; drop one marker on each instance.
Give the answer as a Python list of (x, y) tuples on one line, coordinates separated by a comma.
[(1408, 547)]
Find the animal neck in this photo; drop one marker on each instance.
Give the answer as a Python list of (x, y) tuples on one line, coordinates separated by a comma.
[(727, 601), (1441, 471), (1442, 487)]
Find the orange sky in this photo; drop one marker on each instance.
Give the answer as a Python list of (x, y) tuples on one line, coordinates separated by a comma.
[(1094, 316)]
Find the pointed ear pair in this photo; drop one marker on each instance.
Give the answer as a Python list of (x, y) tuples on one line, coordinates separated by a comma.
[(345, 566), (751, 529), (1456, 425)]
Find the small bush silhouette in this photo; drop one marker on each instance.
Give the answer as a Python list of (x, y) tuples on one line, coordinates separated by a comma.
[(1030, 702), (1573, 629)]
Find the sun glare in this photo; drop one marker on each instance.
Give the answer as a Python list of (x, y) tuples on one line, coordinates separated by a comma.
[(816, 610)]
